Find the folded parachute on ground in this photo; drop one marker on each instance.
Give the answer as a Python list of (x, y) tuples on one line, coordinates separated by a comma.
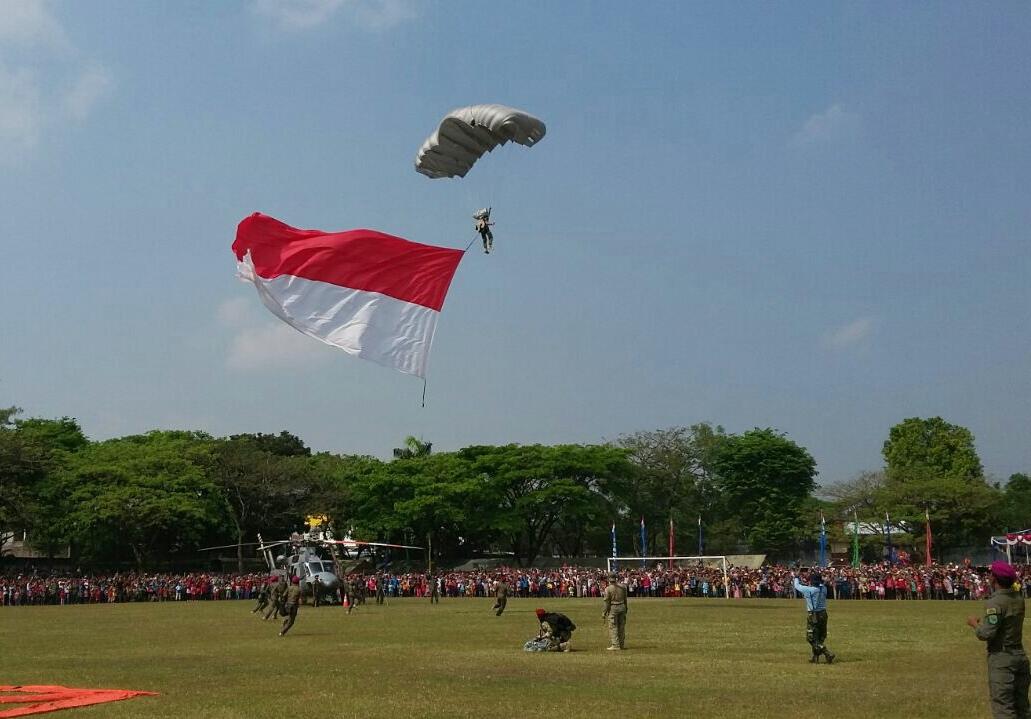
[(465, 134)]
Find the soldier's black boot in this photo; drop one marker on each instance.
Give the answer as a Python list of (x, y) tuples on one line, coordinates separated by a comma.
[(829, 654)]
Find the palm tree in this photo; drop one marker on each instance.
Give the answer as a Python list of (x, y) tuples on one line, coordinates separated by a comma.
[(413, 449)]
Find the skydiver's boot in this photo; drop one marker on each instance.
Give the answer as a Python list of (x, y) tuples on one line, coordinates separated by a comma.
[(829, 655)]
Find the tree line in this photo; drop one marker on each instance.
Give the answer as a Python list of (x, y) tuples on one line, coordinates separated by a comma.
[(160, 496)]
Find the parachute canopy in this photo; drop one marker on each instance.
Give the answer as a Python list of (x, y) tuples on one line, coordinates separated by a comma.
[(468, 132)]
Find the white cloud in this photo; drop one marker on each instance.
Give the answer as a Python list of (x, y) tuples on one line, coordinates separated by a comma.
[(93, 85), (274, 346), (237, 311), (36, 61), (304, 14), (20, 114), (833, 124), (849, 334), (29, 23)]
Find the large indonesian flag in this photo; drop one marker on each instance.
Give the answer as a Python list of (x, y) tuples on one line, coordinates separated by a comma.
[(373, 295)]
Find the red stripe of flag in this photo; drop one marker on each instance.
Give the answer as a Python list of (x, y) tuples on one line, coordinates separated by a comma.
[(359, 259)]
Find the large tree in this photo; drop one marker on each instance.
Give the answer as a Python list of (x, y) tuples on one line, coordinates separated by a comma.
[(670, 477), (919, 447), (145, 496), (766, 480), (31, 451), (1017, 502), (262, 481)]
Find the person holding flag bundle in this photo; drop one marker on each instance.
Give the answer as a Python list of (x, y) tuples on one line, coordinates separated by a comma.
[(815, 595), (1003, 632)]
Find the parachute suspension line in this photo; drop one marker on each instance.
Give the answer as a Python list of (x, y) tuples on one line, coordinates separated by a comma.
[(471, 242)]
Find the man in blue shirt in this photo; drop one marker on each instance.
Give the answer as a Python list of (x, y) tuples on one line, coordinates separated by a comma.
[(815, 595)]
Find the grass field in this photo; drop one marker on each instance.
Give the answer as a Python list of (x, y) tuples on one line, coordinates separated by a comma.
[(409, 659)]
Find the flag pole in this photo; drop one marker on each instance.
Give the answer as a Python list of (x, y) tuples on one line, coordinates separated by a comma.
[(670, 565), (927, 537), (855, 539), (823, 541), (644, 543), (887, 537), (615, 564)]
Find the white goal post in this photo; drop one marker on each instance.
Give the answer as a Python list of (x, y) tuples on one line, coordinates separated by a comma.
[(673, 562)]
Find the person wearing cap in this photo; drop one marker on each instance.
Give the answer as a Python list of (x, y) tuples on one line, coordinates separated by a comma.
[(278, 592), (1002, 631), (615, 612), (291, 602), (815, 595), (557, 629)]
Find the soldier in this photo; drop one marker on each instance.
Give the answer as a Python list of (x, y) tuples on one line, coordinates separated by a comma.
[(264, 593), (381, 589), (557, 629), (501, 590), (434, 589), (615, 612), (278, 593), (291, 602), (816, 618), (1002, 630), (347, 592)]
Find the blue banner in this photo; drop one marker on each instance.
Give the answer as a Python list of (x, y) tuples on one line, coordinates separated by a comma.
[(644, 542)]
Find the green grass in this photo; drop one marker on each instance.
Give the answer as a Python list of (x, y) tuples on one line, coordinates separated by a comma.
[(408, 659)]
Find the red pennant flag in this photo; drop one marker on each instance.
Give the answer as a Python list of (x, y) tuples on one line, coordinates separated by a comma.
[(38, 699)]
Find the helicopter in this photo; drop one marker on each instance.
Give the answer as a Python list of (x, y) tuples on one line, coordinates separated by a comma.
[(319, 577)]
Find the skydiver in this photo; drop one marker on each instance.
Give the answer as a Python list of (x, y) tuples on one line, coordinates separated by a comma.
[(483, 225)]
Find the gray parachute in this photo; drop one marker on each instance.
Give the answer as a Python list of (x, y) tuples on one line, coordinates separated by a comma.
[(467, 133)]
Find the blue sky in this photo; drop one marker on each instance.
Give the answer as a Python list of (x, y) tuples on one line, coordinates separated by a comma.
[(810, 216)]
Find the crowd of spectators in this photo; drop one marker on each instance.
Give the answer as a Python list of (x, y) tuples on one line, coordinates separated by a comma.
[(866, 582)]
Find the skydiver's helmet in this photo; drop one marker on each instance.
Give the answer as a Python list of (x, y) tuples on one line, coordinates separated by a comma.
[(482, 214), (815, 579)]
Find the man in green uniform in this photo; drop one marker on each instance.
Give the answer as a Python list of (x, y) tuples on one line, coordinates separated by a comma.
[(278, 593), (434, 589), (291, 602), (615, 612), (1003, 632), (381, 589), (347, 592), (501, 590), (264, 593), (557, 629)]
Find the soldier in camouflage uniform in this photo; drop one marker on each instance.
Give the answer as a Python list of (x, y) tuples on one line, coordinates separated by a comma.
[(501, 591), (615, 612), (264, 593), (291, 601), (277, 595), (381, 588), (1002, 630)]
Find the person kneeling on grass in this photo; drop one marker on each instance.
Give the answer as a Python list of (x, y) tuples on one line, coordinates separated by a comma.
[(557, 629)]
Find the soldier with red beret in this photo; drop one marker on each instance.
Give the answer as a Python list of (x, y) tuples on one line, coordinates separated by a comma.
[(1002, 631)]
